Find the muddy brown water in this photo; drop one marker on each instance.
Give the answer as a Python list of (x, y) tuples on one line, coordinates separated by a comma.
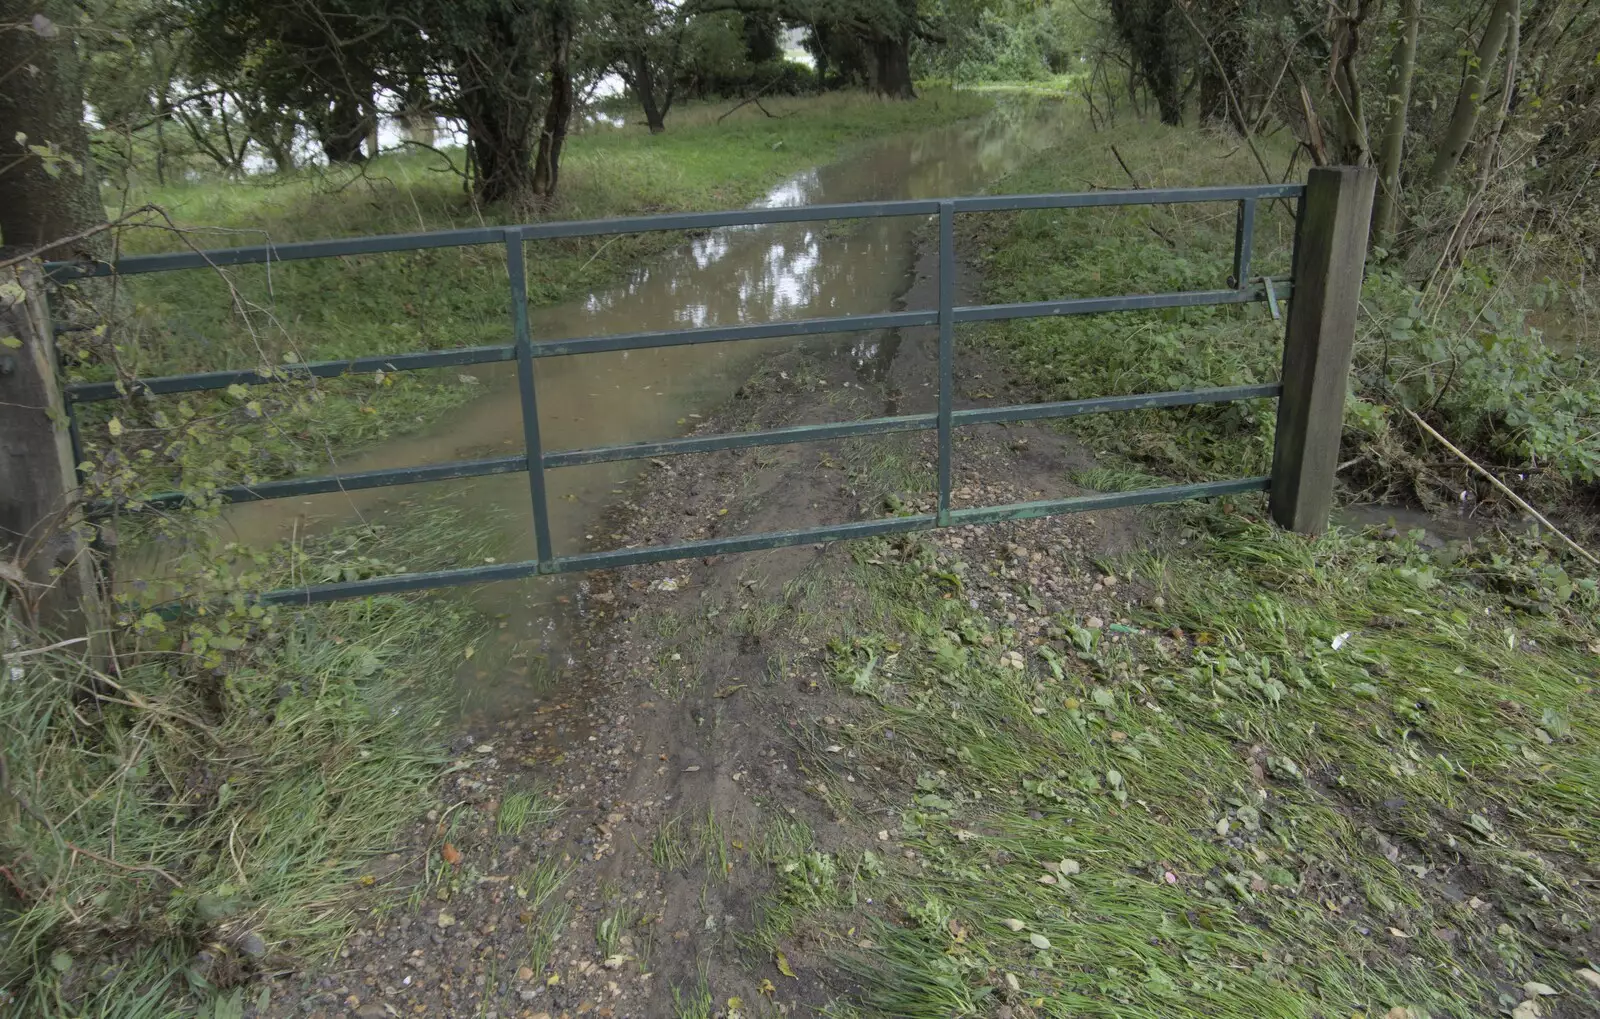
[(724, 277)]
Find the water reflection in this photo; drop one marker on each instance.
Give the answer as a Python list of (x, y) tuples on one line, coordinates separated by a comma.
[(727, 276)]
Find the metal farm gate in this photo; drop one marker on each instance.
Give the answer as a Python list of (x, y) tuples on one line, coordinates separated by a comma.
[(1331, 230)]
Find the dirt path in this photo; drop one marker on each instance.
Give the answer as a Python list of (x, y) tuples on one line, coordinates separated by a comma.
[(677, 782)]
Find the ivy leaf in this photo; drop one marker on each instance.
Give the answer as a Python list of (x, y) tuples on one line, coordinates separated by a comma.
[(114, 426)]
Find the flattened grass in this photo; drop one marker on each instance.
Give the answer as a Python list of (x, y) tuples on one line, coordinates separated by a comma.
[(1323, 778)]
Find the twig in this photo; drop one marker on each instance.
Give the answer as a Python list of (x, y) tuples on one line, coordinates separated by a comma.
[(1124, 165), (33, 812), (1501, 486), (12, 656), (80, 235), (436, 151)]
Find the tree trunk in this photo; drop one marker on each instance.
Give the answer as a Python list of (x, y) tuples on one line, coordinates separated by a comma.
[(892, 67), (1145, 29), (1222, 68), (1402, 67), (55, 195), (1469, 101), (643, 84), (341, 129), (553, 135), (501, 143), (44, 552)]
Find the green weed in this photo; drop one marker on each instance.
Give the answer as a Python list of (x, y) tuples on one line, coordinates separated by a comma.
[(524, 807), (608, 933), (670, 846)]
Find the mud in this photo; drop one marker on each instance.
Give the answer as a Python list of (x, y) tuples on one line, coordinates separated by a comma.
[(685, 738)]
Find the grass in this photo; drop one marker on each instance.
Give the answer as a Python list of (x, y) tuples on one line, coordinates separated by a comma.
[(1221, 813), (217, 802), (1140, 249), (255, 316), (524, 807), (1463, 354)]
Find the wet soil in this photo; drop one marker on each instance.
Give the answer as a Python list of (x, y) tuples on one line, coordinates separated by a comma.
[(684, 736)]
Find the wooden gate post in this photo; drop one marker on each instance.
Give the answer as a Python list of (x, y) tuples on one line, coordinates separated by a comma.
[(44, 556), (1329, 259)]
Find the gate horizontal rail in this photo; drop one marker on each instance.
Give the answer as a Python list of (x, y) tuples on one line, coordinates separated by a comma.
[(535, 461)]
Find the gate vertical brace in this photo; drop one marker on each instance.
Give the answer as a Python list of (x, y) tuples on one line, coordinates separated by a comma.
[(1330, 255), (1244, 237), (517, 270), (947, 351)]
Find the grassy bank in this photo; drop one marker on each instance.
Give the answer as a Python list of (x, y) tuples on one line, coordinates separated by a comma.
[(250, 317), (212, 809), (1343, 777), (1463, 353)]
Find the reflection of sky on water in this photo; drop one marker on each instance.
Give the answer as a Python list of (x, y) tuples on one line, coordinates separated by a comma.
[(763, 285)]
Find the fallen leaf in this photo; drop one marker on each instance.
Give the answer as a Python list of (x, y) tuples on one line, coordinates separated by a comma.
[(1014, 925), (446, 920), (767, 988), (451, 854), (1046, 879), (783, 966), (1397, 932), (1069, 868), (1589, 977), (1534, 989), (1040, 942), (1526, 1010), (1398, 1012)]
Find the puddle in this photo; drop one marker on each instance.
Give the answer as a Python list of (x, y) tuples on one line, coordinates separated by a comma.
[(727, 276), (1440, 529)]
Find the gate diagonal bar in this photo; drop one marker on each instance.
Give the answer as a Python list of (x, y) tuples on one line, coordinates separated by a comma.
[(526, 352)]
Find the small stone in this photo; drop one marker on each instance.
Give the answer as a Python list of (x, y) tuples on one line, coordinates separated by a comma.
[(1095, 623), (1111, 581), (524, 974)]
